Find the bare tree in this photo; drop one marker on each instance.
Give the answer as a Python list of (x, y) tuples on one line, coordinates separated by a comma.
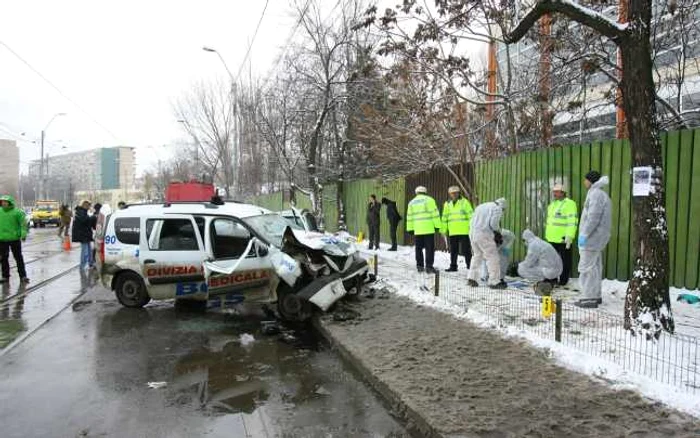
[(648, 306), (207, 111)]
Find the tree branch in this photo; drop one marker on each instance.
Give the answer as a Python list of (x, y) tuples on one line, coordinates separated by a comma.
[(575, 12)]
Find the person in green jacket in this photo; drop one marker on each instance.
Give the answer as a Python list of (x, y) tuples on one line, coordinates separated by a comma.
[(13, 230), (456, 215), (562, 220), (423, 220)]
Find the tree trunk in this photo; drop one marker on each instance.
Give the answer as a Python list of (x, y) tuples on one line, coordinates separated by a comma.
[(647, 306)]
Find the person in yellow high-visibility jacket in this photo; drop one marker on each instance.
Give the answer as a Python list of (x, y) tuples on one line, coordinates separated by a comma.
[(560, 231), (456, 215), (423, 220)]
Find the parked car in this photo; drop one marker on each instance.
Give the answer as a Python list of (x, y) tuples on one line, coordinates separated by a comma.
[(28, 218), (245, 253), (302, 218), (45, 213)]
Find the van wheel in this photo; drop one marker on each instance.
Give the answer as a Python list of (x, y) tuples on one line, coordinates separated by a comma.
[(130, 290), (293, 308)]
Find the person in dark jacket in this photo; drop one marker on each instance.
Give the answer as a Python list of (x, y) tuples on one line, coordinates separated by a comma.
[(392, 214), (374, 208), (83, 225)]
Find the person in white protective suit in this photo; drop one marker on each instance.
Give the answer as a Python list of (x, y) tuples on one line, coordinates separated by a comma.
[(593, 236), (505, 249), (542, 262), (485, 235)]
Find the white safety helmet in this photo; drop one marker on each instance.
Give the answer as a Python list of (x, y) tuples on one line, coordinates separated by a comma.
[(558, 188), (421, 189), (453, 189)]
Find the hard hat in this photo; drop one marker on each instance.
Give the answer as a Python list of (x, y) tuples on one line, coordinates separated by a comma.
[(421, 189), (558, 188), (453, 189)]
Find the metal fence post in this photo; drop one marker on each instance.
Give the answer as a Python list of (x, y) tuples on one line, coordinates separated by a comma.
[(557, 320), (375, 260), (437, 283)]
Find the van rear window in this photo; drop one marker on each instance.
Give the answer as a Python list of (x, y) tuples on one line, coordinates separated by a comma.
[(127, 230)]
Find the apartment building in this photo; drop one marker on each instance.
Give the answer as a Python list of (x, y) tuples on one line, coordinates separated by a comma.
[(107, 168), (591, 113)]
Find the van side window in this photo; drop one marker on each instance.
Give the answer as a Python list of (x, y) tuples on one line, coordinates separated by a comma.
[(171, 235), (229, 239), (127, 230)]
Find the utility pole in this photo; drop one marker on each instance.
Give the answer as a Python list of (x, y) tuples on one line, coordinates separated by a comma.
[(42, 182), (41, 168)]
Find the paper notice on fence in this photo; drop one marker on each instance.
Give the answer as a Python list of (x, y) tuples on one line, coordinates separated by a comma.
[(641, 181)]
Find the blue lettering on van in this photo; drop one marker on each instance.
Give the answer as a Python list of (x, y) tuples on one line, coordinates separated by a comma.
[(182, 289), (110, 240)]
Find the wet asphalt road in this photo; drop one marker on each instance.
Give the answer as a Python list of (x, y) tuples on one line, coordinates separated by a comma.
[(85, 372)]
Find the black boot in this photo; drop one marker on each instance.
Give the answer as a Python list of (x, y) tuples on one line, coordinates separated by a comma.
[(451, 269), (472, 283), (420, 268), (501, 285), (588, 303), (431, 270)]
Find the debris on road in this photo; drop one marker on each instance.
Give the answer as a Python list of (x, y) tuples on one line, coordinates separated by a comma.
[(270, 327), (247, 339), (157, 385)]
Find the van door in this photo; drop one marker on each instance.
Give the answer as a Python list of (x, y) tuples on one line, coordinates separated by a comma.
[(239, 269), (171, 257)]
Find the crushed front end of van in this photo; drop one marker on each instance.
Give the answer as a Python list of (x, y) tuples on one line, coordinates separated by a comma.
[(313, 269)]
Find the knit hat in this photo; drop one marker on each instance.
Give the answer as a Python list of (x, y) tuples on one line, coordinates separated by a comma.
[(593, 176)]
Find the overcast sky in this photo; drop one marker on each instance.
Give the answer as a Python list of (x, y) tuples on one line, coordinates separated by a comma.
[(124, 63)]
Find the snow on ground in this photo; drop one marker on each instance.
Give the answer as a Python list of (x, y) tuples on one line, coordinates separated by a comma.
[(593, 341)]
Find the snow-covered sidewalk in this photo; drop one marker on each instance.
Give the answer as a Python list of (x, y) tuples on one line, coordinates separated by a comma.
[(593, 341), (453, 379)]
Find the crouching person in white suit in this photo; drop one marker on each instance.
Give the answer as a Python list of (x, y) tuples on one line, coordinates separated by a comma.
[(542, 262)]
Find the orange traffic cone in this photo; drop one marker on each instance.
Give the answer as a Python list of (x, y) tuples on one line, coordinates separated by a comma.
[(66, 243)]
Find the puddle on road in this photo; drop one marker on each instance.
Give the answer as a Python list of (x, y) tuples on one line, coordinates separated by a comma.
[(287, 384), (11, 323)]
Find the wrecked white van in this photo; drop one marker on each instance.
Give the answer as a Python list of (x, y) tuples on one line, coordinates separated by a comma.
[(237, 252)]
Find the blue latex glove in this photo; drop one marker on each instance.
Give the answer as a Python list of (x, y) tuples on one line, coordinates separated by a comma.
[(688, 298), (505, 252), (582, 240)]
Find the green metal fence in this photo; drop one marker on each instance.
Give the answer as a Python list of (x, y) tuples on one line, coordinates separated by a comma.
[(525, 180)]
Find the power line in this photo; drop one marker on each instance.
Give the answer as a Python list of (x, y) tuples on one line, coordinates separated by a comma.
[(288, 44), (250, 46), (38, 73)]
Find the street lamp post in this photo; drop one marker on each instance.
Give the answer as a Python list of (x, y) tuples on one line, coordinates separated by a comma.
[(233, 107), (221, 58), (42, 183)]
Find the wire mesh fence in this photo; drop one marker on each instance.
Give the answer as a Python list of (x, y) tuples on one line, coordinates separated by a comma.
[(672, 359)]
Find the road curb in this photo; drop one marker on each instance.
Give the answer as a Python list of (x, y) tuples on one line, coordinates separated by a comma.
[(415, 423)]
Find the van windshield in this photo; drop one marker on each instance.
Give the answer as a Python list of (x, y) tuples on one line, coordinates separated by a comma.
[(270, 227)]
